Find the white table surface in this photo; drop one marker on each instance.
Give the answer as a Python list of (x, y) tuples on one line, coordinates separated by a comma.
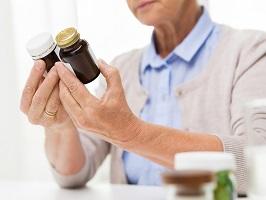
[(50, 191)]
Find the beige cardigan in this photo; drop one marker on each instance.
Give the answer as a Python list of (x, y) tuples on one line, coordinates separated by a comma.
[(211, 103)]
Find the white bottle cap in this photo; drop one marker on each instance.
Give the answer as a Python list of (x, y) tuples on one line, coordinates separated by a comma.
[(41, 45), (212, 161)]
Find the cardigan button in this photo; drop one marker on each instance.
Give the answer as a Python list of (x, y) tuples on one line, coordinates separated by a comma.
[(179, 93)]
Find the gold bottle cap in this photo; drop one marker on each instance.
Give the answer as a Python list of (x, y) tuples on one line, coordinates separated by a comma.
[(67, 37)]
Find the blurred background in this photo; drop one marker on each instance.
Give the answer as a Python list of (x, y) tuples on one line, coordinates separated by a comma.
[(109, 27)]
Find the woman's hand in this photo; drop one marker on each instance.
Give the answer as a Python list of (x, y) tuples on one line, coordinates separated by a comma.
[(109, 116), (41, 103), (40, 99)]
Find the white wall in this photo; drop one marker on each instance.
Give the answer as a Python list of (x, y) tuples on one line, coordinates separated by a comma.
[(9, 131), (244, 14)]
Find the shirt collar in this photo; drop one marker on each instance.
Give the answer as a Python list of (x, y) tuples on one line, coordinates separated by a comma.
[(186, 50)]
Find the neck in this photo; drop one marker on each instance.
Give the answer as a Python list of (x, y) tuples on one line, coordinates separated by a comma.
[(171, 33)]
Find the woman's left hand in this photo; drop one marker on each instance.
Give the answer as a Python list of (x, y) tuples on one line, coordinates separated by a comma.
[(110, 116)]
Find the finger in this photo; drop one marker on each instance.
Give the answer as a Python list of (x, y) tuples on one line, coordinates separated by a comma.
[(75, 87), (42, 95), (70, 104), (41, 81), (53, 103), (32, 85), (111, 74)]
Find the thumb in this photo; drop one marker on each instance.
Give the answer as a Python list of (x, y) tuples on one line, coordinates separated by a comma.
[(111, 74)]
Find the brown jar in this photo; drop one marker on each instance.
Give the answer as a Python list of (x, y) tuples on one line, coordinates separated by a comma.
[(43, 47), (189, 185), (78, 54)]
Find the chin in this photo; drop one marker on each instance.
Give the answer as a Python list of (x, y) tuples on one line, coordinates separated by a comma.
[(149, 19)]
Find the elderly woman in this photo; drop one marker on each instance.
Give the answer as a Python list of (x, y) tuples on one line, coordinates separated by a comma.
[(183, 92)]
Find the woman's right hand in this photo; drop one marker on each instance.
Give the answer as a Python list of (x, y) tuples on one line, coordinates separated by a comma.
[(40, 98), (41, 103)]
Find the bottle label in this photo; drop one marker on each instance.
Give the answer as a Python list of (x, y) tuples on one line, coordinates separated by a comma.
[(93, 55)]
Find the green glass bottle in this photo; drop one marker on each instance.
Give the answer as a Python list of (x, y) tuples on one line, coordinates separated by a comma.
[(225, 188)]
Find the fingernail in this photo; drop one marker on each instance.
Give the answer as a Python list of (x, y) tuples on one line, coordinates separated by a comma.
[(58, 64), (102, 62), (39, 65)]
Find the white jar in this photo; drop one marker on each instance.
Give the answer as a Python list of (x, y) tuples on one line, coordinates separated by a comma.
[(220, 163), (255, 115)]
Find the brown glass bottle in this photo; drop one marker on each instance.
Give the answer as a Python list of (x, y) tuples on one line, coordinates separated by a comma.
[(43, 47), (78, 54), (50, 60)]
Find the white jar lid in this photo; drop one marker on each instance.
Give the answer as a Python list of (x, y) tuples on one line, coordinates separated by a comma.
[(212, 161), (41, 45), (257, 103)]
